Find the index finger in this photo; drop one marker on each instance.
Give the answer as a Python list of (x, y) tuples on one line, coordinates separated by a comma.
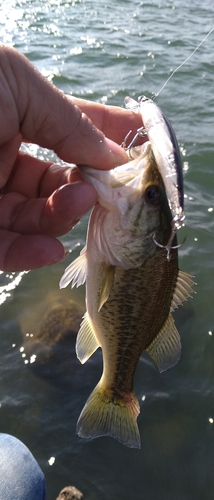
[(32, 106), (114, 122)]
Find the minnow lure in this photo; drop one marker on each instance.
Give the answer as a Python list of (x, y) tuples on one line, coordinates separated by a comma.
[(165, 149), (167, 156)]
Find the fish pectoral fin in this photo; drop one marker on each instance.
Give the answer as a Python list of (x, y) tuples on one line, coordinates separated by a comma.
[(107, 284), (165, 349), (87, 342), (75, 273), (107, 413), (183, 289)]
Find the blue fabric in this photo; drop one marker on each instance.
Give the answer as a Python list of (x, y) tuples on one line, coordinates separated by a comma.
[(20, 475)]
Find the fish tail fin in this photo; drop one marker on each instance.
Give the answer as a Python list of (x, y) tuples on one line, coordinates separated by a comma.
[(107, 413)]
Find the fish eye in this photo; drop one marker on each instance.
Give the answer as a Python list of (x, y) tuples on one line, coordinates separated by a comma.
[(153, 194)]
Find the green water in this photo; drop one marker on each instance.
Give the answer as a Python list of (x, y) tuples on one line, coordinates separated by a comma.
[(104, 51)]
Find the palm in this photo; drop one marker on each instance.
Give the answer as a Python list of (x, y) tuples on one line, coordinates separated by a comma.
[(40, 200)]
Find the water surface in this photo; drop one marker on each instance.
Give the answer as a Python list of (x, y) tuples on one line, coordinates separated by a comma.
[(104, 51)]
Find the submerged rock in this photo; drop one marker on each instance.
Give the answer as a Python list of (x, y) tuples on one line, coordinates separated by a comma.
[(51, 342), (70, 493)]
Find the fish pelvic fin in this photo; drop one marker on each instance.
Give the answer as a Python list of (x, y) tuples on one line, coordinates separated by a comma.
[(165, 349), (87, 342), (109, 414), (75, 273), (107, 284), (183, 289)]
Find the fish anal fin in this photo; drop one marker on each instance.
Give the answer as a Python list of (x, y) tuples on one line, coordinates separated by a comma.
[(183, 289), (87, 342), (107, 284), (75, 273), (108, 414), (165, 349)]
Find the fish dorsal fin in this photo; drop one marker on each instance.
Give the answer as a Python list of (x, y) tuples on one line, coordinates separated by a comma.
[(107, 284), (183, 289), (87, 342), (165, 349), (75, 273)]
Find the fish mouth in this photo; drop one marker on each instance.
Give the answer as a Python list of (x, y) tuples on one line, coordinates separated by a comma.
[(121, 174), (122, 180)]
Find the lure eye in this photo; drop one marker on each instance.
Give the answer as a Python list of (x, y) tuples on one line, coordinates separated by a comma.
[(153, 194)]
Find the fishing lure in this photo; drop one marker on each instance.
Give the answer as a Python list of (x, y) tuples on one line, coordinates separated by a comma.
[(165, 149), (167, 155)]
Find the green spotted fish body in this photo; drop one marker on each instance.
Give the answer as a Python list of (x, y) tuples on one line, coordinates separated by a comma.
[(131, 290)]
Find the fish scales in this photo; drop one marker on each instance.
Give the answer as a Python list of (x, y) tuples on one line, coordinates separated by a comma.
[(131, 289), (127, 319)]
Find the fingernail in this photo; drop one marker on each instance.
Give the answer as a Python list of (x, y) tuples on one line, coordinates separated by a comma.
[(66, 252)]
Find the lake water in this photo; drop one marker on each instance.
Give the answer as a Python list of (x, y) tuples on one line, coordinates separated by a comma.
[(104, 51)]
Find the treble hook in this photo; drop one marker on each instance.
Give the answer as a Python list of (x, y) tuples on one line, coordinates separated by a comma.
[(141, 132), (123, 144), (176, 224)]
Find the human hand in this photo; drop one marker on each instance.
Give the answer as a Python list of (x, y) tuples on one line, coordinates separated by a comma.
[(40, 200)]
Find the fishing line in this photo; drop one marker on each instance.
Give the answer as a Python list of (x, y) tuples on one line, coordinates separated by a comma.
[(180, 65)]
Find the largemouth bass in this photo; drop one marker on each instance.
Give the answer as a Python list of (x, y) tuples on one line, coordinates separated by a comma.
[(131, 290)]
